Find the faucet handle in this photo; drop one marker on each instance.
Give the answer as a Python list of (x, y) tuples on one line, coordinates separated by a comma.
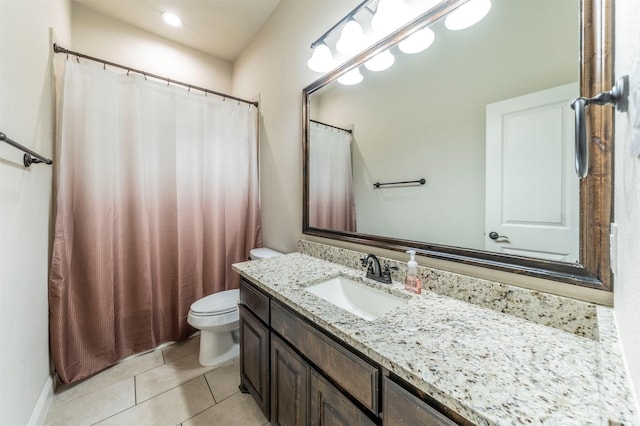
[(386, 273), (387, 267)]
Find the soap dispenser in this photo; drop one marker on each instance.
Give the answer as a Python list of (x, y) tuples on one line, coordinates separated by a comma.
[(412, 283)]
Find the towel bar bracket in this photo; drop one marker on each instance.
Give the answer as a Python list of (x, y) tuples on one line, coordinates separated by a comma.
[(618, 96)]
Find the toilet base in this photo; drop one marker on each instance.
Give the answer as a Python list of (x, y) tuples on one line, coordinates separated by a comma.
[(217, 348)]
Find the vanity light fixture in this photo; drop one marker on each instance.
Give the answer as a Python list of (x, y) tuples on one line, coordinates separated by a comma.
[(321, 60), (381, 61), (352, 39), (391, 15), (351, 77), (171, 19), (417, 42), (388, 16), (468, 14)]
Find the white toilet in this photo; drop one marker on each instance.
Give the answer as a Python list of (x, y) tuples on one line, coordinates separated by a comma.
[(216, 316)]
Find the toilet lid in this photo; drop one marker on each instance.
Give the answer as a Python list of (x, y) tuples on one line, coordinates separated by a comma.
[(217, 303), (263, 253)]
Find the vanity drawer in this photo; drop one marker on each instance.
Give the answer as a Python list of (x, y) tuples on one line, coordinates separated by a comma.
[(255, 300), (401, 408), (355, 375)]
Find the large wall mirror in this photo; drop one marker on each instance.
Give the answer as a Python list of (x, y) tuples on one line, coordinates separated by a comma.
[(480, 127)]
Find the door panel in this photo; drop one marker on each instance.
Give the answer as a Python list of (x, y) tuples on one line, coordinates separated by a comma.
[(532, 192)]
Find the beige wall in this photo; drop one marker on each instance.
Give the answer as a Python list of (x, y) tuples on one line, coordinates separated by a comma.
[(26, 115), (274, 67), (100, 36), (627, 197)]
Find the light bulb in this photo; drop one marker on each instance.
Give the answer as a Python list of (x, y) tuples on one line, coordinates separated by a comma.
[(171, 19), (468, 14), (321, 60), (350, 78), (381, 61), (351, 39), (418, 41), (391, 15)]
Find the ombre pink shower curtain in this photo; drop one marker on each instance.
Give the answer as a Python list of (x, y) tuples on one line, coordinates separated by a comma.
[(157, 195), (331, 198)]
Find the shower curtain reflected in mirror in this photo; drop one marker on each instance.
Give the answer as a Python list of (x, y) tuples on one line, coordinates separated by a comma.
[(157, 195), (331, 201)]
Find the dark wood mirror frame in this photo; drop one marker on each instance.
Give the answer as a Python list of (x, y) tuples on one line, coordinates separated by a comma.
[(596, 190)]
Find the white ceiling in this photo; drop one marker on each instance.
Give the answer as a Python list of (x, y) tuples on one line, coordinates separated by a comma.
[(222, 28)]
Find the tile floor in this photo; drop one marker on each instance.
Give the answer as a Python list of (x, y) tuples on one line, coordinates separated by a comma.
[(164, 387)]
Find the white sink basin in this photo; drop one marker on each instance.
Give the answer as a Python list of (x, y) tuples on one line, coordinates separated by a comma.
[(359, 299)]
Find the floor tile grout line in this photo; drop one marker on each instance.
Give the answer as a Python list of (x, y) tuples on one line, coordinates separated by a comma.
[(176, 386), (115, 414), (215, 401), (106, 370), (197, 414), (147, 400)]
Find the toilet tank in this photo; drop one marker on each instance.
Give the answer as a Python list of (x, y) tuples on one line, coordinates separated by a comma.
[(263, 253)]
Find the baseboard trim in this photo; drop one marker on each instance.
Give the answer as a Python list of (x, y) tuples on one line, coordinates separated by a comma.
[(41, 409)]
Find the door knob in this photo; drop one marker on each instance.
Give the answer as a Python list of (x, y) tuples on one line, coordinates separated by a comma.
[(498, 238)]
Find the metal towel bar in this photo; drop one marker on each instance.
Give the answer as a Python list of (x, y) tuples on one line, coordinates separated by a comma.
[(30, 157), (420, 181)]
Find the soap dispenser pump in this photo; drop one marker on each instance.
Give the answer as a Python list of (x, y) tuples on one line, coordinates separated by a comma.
[(412, 283)]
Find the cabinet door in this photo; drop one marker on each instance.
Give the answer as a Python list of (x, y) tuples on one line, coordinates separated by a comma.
[(254, 358), (289, 385), (329, 407), (401, 408)]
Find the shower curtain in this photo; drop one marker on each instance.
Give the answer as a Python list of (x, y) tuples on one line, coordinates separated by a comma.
[(331, 200), (157, 195)]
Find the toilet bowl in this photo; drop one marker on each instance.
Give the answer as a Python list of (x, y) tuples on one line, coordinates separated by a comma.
[(216, 316)]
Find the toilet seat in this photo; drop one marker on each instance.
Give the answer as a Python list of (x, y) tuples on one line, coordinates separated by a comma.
[(220, 303)]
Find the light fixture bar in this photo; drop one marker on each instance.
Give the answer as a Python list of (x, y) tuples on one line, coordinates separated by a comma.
[(341, 22)]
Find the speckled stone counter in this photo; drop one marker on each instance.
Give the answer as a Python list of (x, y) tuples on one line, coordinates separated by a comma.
[(491, 367)]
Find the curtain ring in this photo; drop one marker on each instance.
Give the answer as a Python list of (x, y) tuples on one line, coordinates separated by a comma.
[(77, 59), (188, 88), (145, 76), (128, 72), (167, 82), (104, 66), (67, 56)]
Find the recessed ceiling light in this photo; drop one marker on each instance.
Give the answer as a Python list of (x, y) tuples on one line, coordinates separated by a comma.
[(172, 19)]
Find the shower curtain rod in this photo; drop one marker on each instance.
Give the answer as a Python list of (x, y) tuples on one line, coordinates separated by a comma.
[(60, 49), (332, 126)]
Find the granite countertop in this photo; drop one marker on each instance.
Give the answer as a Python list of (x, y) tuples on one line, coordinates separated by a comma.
[(490, 367)]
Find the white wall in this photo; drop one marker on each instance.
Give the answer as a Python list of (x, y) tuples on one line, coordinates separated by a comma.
[(627, 197), (98, 35), (26, 115)]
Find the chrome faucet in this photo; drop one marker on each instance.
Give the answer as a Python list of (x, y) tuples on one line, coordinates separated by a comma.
[(374, 271)]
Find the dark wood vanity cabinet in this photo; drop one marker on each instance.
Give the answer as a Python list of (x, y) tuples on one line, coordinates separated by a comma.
[(401, 408), (301, 375), (330, 407), (289, 385), (255, 344)]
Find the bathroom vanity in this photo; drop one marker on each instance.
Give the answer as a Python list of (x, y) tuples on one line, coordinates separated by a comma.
[(294, 370), (431, 360)]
